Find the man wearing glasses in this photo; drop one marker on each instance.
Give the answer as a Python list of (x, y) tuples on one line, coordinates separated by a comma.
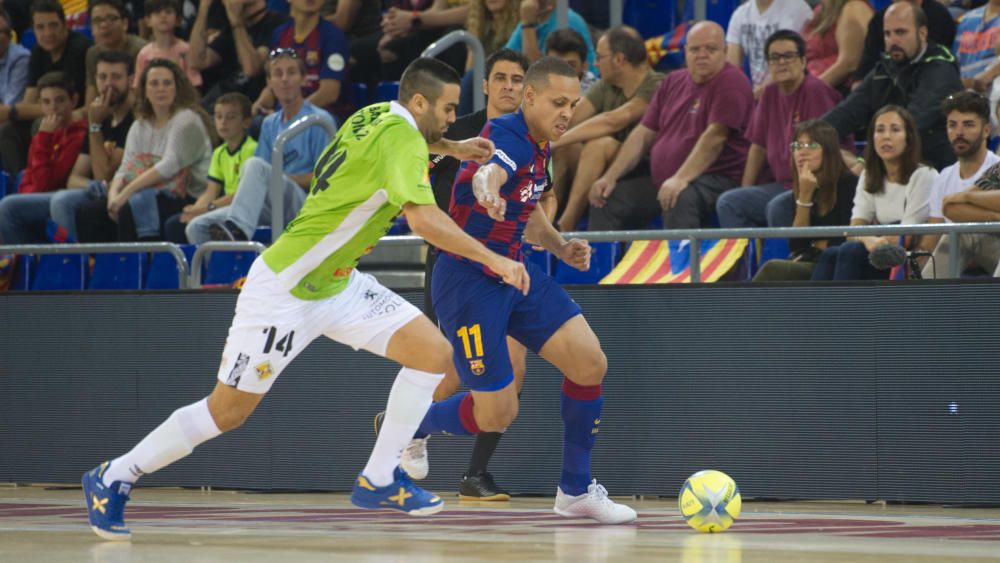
[(794, 96), (109, 23), (57, 49)]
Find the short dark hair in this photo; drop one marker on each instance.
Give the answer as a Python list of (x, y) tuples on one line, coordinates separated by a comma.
[(539, 72), (56, 79), (627, 41), (237, 99), (567, 40), (919, 16), (153, 6), (509, 55), (786, 35), (48, 7), (6, 18), (427, 77), (116, 4), (967, 101), (117, 57)]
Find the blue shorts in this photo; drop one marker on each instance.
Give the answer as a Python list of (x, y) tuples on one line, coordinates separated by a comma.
[(477, 312)]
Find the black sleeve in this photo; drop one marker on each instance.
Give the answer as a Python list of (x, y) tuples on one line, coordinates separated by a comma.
[(36, 66), (854, 111), (936, 81), (941, 27), (874, 45)]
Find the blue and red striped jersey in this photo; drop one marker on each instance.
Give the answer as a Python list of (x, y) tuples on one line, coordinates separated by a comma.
[(324, 51), (526, 163)]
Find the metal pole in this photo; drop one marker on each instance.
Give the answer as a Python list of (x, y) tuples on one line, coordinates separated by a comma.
[(616, 8), (954, 249), (478, 61), (102, 248), (694, 263), (206, 248), (277, 191), (700, 9), (562, 14)]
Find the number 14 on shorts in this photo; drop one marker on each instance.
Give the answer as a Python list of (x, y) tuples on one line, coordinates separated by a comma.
[(284, 344), (472, 337)]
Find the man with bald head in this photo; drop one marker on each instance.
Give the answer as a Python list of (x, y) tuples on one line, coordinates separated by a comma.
[(940, 29), (693, 134), (914, 73)]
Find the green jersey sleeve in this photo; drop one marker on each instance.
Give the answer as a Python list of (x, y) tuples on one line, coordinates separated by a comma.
[(405, 158)]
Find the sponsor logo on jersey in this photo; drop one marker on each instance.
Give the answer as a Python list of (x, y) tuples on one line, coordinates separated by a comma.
[(506, 159), (264, 370)]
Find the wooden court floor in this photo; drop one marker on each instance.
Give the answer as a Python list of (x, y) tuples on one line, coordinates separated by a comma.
[(172, 525)]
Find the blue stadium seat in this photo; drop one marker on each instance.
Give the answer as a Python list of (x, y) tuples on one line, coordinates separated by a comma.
[(541, 258), (400, 227), (602, 261), (359, 95), (262, 235), (225, 267), (28, 39), (163, 269), (58, 272), (118, 271), (386, 91), (4, 184), (650, 17), (23, 266)]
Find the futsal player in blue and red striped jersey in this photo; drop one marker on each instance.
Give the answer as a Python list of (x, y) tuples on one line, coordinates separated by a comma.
[(498, 204)]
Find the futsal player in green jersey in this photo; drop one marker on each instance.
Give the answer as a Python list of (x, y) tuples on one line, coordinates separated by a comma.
[(306, 285)]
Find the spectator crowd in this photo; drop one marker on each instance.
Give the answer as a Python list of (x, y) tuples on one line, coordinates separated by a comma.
[(157, 120)]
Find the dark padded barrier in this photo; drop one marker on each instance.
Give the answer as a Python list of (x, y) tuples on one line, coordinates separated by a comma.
[(862, 391)]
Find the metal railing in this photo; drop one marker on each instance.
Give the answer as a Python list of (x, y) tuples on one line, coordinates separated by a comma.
[(107, 248), (478, 61), (278, 166), (206, 248), (695, 236)]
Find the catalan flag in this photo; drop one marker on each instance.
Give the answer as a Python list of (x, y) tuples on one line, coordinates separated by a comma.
[(660, 261)]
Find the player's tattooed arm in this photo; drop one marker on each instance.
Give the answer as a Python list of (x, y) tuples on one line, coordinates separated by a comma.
[(486, 185), (476, 148)]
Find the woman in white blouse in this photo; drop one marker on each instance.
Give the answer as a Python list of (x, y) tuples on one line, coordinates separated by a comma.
[(894, 188), (167, 153)]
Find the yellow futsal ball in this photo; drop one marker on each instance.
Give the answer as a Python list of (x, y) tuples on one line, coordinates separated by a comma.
[(710, 501)]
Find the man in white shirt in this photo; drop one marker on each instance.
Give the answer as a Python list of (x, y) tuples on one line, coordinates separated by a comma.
[(750, 26), (956, 192)]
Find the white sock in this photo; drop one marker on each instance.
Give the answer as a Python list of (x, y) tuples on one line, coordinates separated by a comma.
[(177, 437), (411, 396)]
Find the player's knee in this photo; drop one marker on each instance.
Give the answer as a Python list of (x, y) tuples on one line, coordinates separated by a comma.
[(439, 355), (230, 418), (497, 421), (593, 370)]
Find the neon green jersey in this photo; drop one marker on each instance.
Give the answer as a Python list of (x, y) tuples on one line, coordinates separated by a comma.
[(376, 164)]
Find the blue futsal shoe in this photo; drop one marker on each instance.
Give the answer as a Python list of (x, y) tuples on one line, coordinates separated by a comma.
[(400, 495), (106, 505)]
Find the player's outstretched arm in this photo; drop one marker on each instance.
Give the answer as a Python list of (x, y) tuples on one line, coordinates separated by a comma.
[(476, 148), (539, 231), (438, 229)]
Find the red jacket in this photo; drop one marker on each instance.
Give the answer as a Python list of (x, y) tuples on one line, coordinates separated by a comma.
[(51, 158)]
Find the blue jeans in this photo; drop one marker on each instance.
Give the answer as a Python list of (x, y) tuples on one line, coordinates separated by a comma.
[(781, 210), (848, 261), (64, 204), (749, 207), (23, 218), (146, 213)]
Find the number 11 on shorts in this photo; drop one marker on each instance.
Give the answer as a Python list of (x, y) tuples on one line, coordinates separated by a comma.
[(476, 333)]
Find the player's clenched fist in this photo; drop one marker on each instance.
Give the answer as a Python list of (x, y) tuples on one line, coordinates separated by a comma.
[(512, 273), (576, 252)]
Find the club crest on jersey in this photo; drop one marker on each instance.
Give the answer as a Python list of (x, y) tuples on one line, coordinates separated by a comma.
[(477, 367)]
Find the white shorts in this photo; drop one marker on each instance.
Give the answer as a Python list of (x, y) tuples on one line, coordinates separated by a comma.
[(271, 326)]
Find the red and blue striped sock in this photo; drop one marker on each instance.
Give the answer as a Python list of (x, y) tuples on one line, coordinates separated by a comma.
[(581, 414), (452, 415)]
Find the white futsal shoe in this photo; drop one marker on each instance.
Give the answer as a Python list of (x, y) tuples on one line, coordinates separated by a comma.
[(414, 459), (593, 504)]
